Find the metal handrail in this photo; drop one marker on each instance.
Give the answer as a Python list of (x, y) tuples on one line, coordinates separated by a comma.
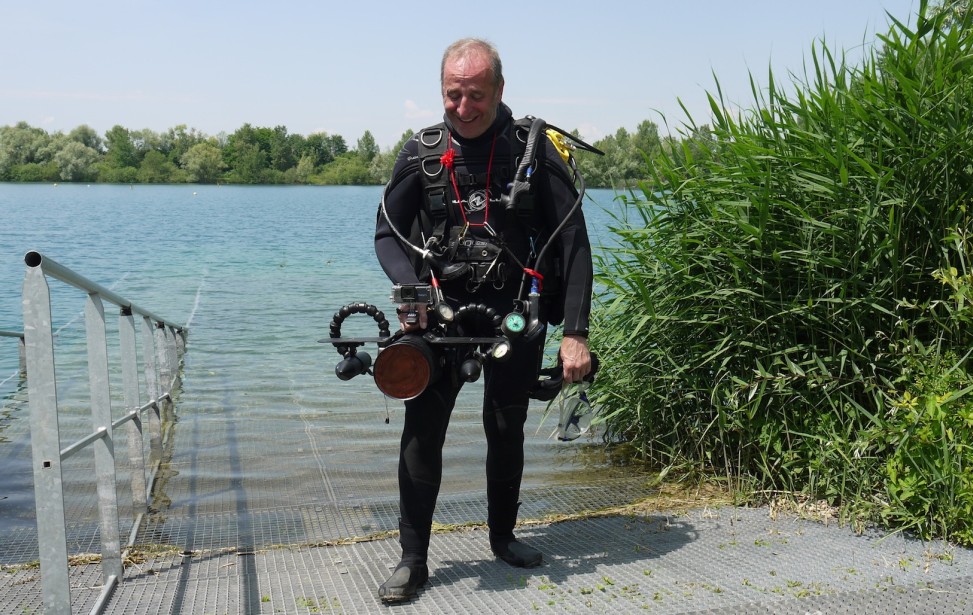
[(162, 343), (19, 335), (34, 259)]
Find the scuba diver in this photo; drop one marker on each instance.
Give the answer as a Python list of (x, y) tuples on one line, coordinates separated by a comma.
[(452, 192)]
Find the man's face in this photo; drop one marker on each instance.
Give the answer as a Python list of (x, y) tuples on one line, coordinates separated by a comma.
[(469, 96)]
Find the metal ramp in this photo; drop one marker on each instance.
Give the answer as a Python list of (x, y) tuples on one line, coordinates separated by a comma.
[(707, 561)]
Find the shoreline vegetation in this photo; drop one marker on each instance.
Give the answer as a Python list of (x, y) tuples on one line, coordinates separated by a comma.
[(791, 313)]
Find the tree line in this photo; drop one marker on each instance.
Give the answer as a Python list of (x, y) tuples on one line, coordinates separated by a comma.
[(259, 155)]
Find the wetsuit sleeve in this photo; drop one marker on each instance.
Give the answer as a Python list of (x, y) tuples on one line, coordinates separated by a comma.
[(403, 200), (558, 197)]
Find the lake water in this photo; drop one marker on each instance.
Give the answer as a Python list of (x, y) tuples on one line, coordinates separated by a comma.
[(255, 272)]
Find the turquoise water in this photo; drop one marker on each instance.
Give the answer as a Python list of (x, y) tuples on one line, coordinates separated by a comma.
[(255, 272)]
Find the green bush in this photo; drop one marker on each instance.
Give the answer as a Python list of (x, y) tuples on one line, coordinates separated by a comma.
[(926, 436), (35, 172), (116, 175), (753, 315), (927, 443)]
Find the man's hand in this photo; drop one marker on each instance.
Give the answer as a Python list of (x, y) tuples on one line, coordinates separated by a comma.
[(575, 357), (412, 316)]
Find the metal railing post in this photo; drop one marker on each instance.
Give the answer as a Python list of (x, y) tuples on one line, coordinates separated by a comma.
[(22, 346), (130, 384), (111, 559), (173, 348), (45, 443), (172, 360), (23, 356), (182, 342), (162, 360), (154, 387)]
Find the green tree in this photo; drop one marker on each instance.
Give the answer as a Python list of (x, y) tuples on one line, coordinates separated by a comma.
[(86, 135), (178, 140), (203, 163), (380, 169), (612, 169), (336, 145), (317, 146), (284, 149), (21, 145), (646, 143), (304, 169), (76, 161), (367, 148), (347, 170), (248, 163), (121, 150), (156, 168)]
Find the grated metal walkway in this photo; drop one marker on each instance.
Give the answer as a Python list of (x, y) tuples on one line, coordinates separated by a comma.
[(713, 561), (251, 526)]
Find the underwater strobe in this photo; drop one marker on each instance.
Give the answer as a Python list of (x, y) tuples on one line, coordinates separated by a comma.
[(407, 363), (355, 363)]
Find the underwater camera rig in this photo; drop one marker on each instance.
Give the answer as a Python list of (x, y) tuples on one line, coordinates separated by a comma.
[(409, 362)]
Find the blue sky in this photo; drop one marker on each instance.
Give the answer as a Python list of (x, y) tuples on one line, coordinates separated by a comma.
[(344, 68)]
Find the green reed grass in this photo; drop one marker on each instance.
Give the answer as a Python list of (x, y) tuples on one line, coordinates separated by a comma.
[(777, 287)]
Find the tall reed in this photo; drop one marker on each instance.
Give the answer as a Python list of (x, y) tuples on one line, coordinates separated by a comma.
[(775, 285)]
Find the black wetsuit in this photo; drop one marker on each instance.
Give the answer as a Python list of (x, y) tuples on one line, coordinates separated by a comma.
[(506, 384)]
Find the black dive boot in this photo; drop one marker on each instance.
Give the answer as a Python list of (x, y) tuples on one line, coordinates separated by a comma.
[(514, 552), (411, 573), (502, 506), (404, 583)]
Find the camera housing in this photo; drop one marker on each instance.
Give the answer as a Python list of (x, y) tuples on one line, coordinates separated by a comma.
[(412, 293)]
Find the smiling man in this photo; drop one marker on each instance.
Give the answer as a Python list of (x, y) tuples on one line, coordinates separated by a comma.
[(446, 194)]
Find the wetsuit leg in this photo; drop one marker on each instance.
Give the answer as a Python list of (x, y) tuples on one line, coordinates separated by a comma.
[(504, 414), (421, 464)]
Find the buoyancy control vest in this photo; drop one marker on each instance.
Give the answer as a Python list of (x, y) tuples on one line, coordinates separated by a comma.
[(447, 208)]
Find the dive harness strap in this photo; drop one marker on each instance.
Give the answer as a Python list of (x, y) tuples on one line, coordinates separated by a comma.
[(433, 143)]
